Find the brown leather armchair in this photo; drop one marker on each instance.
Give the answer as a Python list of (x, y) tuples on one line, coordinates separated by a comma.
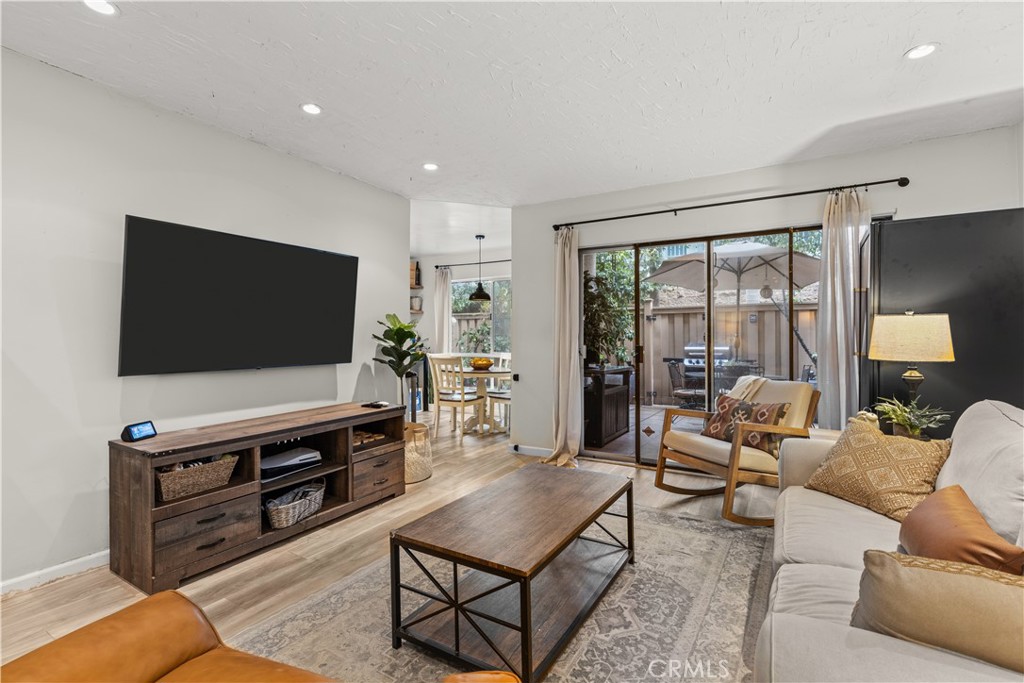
[(164, 637)]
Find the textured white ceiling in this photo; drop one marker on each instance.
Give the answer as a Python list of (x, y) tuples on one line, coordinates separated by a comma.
[(522, 103), (451, 228)]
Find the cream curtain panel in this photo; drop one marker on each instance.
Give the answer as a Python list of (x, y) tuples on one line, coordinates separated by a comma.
[(847, 218), (568, 418), (442, 342)]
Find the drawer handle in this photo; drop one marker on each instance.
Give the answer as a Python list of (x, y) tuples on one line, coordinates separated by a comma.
[(382, 463), (380, 481), (207, 546), (212, 519)]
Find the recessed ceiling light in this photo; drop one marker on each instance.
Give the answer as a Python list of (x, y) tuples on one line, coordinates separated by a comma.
[(311, 108), (430, 167), (919, 51), (102, 6)]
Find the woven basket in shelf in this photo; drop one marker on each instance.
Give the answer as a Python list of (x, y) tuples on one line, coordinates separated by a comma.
[(193, 480), (296, 505)]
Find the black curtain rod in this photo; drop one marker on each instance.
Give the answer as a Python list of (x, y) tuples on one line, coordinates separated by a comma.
[(472, 263), (902, 182)]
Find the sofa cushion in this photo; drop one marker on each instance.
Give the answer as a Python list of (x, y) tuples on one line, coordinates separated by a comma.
[(986, 461), (718, 452), (729, 411), (947, 526), (226, 665), (960, 607), (815, 528), (792, 647), (888, 474), (815, 590)]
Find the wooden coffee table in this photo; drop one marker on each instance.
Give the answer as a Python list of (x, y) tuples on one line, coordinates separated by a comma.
[(520, 575)]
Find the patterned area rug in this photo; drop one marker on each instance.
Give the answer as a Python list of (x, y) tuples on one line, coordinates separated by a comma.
[(689, 609)]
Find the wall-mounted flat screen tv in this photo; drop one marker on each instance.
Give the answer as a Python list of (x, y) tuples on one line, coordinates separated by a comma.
[(197, 300)]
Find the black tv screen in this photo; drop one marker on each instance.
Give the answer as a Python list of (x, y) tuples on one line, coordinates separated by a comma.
[(194, 300)]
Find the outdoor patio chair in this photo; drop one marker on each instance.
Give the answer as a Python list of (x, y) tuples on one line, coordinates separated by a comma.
[(689, 391), (734, 462)]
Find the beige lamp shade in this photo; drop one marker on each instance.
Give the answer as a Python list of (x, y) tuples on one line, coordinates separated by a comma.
[(911, 338)]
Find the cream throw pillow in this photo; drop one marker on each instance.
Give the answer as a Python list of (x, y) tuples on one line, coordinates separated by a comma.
[(887, 474), (964, 608)]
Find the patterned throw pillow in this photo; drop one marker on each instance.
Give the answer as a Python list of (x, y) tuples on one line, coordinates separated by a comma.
[(887, 474), (729, 411)]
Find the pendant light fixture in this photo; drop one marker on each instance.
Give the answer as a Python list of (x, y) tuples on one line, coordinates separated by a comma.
[(479, 294)]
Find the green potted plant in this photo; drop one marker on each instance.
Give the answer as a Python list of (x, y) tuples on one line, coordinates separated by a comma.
[(402, 348), (606, 321), (908, 419)]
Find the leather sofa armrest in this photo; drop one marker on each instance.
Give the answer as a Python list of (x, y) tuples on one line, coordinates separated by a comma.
[(141, 642), (798, 458)]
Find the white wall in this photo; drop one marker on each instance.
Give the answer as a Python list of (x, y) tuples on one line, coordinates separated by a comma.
[(76, 158), (961, 174)]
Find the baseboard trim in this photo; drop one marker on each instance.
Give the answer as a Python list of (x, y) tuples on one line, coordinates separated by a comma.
[(57, 571), (529, 450)]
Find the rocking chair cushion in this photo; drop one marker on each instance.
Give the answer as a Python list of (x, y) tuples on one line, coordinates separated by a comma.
[(715, 451), (729, 411)]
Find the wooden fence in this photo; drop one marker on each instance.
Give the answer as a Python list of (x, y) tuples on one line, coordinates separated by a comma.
[(763, 338)]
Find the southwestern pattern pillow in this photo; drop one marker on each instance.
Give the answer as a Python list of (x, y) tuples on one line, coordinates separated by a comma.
[(729, 411), (887, 474)]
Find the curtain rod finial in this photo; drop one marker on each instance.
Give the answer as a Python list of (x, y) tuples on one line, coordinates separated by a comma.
[(903, 182)]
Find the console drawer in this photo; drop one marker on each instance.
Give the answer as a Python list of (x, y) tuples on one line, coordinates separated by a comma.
[(177, 529), (205, 544), (377, 473)]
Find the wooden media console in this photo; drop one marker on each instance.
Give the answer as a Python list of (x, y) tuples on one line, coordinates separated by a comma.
[(156, 544)]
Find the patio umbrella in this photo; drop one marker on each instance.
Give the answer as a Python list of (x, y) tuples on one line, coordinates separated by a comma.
[(734, 263)]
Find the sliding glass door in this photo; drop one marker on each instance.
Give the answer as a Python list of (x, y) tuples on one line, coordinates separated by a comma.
[(674, 346)]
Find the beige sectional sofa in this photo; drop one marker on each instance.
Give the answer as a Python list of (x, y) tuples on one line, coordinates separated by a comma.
[(818, 555)]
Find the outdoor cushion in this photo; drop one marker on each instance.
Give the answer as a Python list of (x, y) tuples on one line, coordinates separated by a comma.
[(815, 590), (814, 527), (986, 461), (717, 451)]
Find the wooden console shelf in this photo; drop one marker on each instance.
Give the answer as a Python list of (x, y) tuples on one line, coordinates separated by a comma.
[(156, 544)]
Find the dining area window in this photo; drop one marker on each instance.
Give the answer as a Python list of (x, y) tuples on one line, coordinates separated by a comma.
[(482, 326)]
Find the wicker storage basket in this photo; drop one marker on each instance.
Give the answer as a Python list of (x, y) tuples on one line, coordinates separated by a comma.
[(296, 505), (193, 480)]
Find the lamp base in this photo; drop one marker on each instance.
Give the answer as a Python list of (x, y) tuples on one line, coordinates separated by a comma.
[(913, 379)]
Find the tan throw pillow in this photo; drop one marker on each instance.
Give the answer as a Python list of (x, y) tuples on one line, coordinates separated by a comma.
[(947, 526), (729, 411), (887, 474), (964, 608)]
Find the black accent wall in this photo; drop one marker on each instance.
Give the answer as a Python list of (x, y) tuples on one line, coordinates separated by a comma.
[(970, 266)]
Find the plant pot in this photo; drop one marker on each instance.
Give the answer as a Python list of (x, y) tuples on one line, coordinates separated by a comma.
[(904, 431)]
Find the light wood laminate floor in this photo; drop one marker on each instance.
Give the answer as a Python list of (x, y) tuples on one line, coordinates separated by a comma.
[(255, 588)]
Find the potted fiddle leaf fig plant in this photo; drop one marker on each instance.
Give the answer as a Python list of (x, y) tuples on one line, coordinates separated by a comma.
[(402, 348), (908, 419)]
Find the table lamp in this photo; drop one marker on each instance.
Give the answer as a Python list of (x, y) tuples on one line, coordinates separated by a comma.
[(911, 339)]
